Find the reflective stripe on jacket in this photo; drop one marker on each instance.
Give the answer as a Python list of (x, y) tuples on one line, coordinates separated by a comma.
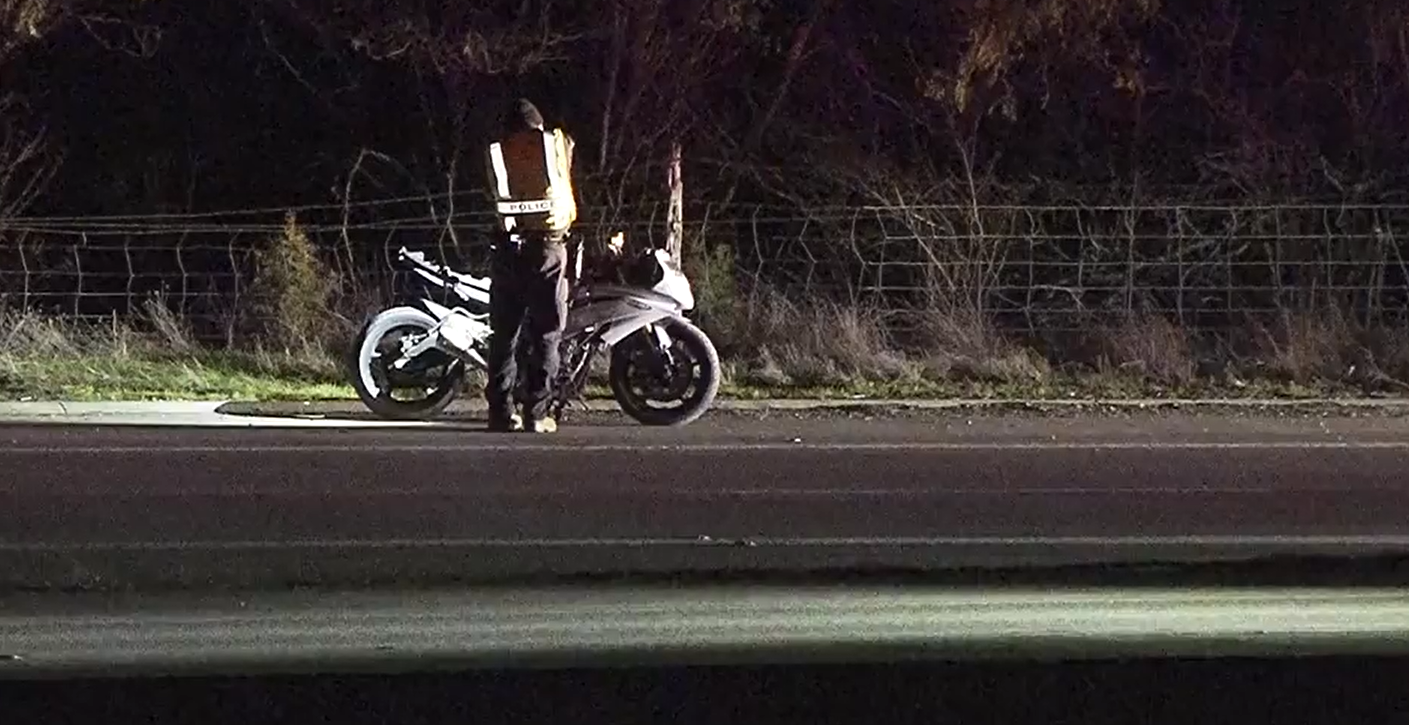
[(530, 174)]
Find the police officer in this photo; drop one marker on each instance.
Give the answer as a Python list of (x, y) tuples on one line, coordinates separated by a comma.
[(530, 181)]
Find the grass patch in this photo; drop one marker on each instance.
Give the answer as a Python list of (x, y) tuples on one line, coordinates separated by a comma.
[(1062, 387), (792, 351), (823, 350), (156, 378), (150, 358)]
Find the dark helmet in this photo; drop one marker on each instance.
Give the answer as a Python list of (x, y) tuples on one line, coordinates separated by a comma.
[(523, 115)]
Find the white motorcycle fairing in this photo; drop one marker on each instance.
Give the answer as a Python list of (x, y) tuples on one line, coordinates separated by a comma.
[(620, 309)]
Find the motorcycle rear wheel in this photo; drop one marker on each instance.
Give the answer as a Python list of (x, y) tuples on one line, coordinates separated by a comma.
[(374, 383)]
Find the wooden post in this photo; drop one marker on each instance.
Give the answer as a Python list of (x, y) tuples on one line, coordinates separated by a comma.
[(674, 240)]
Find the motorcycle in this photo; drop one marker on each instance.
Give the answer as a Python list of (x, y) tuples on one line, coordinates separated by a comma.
[(656, 354)]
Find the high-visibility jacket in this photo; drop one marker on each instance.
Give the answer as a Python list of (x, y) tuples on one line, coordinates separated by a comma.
[(530, 175)]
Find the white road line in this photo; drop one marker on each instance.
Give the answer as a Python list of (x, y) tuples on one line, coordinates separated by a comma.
[(229, 423), (700, 494), (715, 447), (997, 490), (1249, 541), (927, 492)]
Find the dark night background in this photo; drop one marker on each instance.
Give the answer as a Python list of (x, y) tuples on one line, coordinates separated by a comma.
[(166, 106)]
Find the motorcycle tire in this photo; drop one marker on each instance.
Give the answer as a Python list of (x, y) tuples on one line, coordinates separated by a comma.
[(382, 404), (703, 352)]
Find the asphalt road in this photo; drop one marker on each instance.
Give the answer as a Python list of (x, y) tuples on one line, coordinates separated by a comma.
[(132, 507)]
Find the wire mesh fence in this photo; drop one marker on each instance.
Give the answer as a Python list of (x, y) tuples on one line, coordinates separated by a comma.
[(1031, 268)]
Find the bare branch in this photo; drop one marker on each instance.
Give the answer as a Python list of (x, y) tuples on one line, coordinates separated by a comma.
[(27, 164)]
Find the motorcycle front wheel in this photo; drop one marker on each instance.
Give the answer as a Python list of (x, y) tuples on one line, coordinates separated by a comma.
[(434, 375), (687, 382)]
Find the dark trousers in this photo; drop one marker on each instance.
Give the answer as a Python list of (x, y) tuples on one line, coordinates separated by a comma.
[(528, 301)]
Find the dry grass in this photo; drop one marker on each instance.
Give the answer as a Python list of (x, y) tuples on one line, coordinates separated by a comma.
[(959, 342), (151, 357), (1307, 347), (822, 343), (787, 344), (1147, 347), (817, 343), (785, 348)]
